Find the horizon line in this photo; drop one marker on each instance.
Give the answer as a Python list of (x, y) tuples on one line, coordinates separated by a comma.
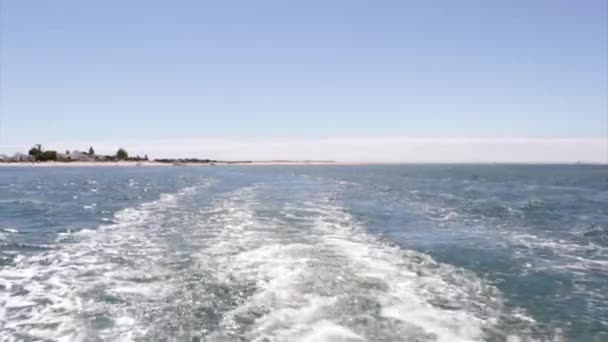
[(592, 150)]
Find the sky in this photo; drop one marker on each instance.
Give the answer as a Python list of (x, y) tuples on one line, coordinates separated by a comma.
[(349, 80)]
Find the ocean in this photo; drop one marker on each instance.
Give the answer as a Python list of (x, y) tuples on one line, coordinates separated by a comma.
[(305, 253)]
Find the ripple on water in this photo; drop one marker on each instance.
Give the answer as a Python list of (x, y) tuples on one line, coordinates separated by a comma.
[(245, 268)]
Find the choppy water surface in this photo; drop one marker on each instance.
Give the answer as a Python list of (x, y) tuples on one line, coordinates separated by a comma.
[(316, 253)]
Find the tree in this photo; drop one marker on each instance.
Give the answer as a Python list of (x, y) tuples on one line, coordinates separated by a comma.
[(91, 151), (47, 155), (35, 152), (122, 154)]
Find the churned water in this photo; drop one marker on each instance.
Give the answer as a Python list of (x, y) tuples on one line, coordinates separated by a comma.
[(315, 253)]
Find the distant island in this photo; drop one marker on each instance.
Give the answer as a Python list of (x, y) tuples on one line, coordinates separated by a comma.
[(38, 155)]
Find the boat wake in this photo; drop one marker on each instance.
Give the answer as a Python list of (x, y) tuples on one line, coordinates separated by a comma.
[(251, 264)]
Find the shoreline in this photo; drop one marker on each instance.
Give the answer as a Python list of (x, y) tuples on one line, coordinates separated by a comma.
[(77, 164), (159, 164)]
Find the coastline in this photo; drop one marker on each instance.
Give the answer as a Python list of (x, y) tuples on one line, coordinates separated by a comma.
[(77, 164), (159, 164)]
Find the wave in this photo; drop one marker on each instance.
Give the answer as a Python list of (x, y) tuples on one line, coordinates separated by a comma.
[(246, 265), (323, 278), (93, 278)]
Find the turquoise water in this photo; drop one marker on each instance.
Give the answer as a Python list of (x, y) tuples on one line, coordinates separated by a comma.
[(314, 253)]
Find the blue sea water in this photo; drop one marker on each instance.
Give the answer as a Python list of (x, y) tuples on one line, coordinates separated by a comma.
[(305, 253)]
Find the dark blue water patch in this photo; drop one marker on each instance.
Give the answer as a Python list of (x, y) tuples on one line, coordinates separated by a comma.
[(559, 212), (43, 202)]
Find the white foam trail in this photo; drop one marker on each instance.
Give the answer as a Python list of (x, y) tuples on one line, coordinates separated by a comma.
[(439, 300), (248, 267), (10, 230), (568, 251), (329, 280), (95, 283), (250, 250)]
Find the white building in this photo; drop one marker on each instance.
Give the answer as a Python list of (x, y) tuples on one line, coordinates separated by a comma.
[(20, 157)]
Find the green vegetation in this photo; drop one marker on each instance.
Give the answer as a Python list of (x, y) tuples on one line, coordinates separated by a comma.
[(122, 154), (185, 160), (35, 151), (40, 155), (47, 156)]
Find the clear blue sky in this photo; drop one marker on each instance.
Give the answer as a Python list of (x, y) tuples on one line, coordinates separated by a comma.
[(140, 70)]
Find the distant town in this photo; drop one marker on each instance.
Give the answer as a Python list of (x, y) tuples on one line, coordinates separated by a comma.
[(37, 154)]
